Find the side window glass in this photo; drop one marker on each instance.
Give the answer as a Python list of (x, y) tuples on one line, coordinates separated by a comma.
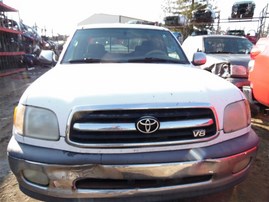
[(172, 49)]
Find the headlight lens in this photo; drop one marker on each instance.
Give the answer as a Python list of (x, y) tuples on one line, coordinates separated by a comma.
[(36, 122), (236, 116), (36, 177), (239, 71), (18, 118)]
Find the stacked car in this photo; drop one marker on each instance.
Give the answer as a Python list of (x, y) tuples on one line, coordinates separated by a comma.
[(203, 15), (176, 20), (243, 9)]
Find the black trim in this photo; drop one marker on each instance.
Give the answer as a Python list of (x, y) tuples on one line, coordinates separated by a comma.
[(59, 157)]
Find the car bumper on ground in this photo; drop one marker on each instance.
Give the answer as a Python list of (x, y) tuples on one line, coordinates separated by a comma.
[(83, 176)]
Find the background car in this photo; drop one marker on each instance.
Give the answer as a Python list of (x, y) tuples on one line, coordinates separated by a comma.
[(243, 9), (201, 32), (176, 20), (203, 15), (179, 36), (47, 58), (236, 32), (227, 56), (141, 22), (258, 91), (252, 38)]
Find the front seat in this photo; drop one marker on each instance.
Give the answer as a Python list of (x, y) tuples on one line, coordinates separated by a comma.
[(96, 51)]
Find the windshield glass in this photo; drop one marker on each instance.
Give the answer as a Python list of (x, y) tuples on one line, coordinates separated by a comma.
[(227, 45), (124, 45)]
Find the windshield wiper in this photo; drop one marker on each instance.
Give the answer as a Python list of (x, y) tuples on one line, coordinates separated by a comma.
[(85, 60), (153, 60), (95, 60), (135, 60), (219, 52)]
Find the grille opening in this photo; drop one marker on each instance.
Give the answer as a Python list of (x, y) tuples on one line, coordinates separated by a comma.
[(136, 137), (126, 116), (131, 116), (91, 183)]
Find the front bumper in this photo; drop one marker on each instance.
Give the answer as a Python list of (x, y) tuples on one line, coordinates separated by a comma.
[(239, 82), (74, 175)]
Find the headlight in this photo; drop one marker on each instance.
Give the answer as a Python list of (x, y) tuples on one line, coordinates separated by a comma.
[(239, 71), (236, 116), (18, 118), (36, 122)]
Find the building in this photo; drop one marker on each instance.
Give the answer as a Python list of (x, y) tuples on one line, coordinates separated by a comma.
[(107, 18)]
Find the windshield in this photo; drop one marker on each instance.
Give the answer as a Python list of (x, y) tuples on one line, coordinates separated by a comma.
[(124, 45), (227, 45)]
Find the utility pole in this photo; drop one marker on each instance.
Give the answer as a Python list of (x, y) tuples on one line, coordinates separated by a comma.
[(262, 20)]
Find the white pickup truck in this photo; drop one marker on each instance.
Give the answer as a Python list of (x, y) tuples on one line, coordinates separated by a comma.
[(125, 115)]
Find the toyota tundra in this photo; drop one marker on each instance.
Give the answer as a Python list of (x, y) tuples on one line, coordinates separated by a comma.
[(125, 115)]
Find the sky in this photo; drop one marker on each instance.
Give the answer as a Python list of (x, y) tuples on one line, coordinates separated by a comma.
[(61, 16)]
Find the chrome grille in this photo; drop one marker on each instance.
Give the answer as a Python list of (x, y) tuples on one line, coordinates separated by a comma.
[(117, 127)]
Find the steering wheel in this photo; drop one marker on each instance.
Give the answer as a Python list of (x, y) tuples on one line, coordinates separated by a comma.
[(156, 53)]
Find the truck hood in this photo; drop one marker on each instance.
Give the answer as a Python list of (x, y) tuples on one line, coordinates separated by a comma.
[(67, 86)]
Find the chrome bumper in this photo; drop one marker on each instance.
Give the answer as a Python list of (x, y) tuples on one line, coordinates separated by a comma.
[(221, 172)]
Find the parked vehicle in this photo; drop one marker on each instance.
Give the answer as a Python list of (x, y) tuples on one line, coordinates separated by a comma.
[(176, 20), (29, 33), (47, 58), (251, 38), (125, 115), (30, 60), (203, 15), (258, 91), (227, 56), (243, 9), (38, 57), (201, 32), (236, 32), (179, 36), (141, 22)]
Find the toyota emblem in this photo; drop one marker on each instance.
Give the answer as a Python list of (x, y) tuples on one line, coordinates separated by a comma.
[(147, 125)]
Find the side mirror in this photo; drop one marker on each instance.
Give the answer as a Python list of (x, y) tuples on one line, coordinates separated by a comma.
[(199, 58), (47, 58)]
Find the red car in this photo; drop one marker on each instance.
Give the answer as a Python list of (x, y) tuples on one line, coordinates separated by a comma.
[(258, 91)]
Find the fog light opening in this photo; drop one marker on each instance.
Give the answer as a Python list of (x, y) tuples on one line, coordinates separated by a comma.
[(36, 177), (241, 165)]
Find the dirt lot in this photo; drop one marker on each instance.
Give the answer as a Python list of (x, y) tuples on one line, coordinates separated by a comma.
[(253, 189)]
